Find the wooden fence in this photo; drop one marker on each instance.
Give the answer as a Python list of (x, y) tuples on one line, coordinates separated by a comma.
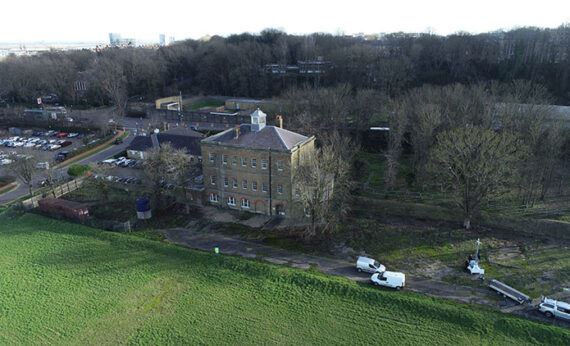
[(56, 192)]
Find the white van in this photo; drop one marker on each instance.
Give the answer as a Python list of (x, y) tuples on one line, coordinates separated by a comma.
[(369, 265), (389, 279), (554, 308)]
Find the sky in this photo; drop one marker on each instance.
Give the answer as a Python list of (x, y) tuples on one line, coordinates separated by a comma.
[(93, 20)]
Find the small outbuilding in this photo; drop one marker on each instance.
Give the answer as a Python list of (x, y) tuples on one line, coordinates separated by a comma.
[(62, 207)]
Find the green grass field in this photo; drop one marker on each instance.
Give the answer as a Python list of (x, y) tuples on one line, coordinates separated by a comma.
[(62, 283)]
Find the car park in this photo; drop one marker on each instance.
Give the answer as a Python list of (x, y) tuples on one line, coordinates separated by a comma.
[(389, 279), (369, 265), (554, 308)]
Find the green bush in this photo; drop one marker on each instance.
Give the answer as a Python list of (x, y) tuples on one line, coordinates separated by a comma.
[(78, 170)]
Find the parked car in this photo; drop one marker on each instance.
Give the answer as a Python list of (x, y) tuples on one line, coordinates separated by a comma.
[(389, 279), (72, 135), (42, 165), (108, 162), (61, 134), (369, 265), (66, 144), (62, 156), (554, 308)]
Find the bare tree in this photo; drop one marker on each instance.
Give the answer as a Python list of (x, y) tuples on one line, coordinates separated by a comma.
[(163, 165), (476, 164), (24, 167), (323, 183), (108, 75), (398, 120)]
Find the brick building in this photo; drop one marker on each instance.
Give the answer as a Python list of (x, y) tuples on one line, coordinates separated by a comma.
[(250, 167)]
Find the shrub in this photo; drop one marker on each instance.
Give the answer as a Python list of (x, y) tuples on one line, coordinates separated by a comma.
[(78, 170)]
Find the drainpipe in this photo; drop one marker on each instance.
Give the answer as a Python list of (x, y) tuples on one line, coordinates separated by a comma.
[(270, 187)]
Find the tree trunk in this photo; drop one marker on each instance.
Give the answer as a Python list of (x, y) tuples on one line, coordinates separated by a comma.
[(467, 222)]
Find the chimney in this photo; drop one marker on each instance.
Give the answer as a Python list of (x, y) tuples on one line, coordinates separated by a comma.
[(237, 132), (279, 120)]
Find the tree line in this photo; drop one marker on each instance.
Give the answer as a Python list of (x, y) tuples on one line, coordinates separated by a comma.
[(235, 65)]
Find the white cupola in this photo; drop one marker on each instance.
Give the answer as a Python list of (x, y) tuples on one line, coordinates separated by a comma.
[(258, 120)]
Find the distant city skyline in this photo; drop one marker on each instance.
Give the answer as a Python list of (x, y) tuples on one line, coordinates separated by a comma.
[(92, 21)]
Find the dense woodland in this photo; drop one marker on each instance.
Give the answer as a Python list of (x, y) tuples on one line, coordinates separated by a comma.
[(235, 65), (461, 108)]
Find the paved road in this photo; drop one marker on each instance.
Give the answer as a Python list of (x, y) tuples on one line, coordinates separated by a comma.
[(22, 190)]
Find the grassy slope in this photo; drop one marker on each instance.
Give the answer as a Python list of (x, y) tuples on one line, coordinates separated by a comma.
[(64, 283)]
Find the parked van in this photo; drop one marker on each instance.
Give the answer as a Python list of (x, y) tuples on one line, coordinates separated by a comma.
[(369, 265), (554, 308), (389, 279)]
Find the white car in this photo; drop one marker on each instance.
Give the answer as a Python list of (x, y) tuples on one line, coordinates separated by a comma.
[(109, 161), (369, 265), (42, 165), (389, 279), (554, 308)]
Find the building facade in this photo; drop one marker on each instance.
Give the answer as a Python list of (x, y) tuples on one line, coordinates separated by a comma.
[(251, 167)]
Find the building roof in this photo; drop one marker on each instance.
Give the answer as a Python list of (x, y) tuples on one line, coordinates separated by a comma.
[(185, 139), (245, 100), (188, 143), (140, 143), (270, 137)]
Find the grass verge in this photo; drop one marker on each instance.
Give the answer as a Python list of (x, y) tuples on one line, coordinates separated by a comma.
[(63, 283)]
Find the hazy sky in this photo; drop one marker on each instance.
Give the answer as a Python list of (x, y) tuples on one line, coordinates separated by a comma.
[(92, 20)]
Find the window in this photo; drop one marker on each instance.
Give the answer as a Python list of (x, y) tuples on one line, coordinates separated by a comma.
[(279, 189), (234, 183), (214, 198), (254, 185), (212, 157), (224, 159), (213, 179), (279, 165), (226, 183), (231, 201), (243, 161), (244, 184), (245, 203), (263, 164), (253, 163), (234, 161), (264, 187)]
